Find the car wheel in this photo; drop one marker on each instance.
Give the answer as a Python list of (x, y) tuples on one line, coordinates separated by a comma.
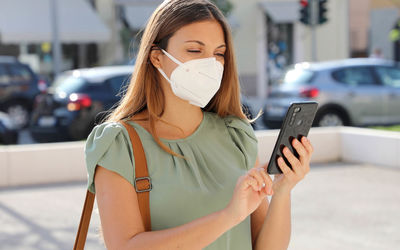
[(19, 114), (330, 118)]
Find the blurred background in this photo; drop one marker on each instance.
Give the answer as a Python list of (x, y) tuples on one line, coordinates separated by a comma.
[(65, 63), (286, 51)]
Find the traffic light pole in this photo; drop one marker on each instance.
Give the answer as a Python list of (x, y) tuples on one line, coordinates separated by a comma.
[(56, 44), (314, 16)]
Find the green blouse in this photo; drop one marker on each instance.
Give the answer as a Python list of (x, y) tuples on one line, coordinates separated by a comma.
[(218, 152)]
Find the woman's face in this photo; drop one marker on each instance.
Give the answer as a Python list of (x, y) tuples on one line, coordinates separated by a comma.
[(194, 41)]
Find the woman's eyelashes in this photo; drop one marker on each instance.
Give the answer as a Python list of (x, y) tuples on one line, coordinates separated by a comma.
[(193, 51), (199, 51)]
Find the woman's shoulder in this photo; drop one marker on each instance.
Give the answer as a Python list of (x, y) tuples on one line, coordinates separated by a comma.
[(242, 135), (234, 124), (108, 145), (102, 135)]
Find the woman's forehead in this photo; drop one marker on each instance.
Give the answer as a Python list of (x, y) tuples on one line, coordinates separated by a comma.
[(208, 32)]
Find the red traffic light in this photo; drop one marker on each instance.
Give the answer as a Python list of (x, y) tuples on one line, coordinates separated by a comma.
[(304, 3)]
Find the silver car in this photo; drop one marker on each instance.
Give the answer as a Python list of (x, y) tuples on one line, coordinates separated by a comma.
[(351, 92)]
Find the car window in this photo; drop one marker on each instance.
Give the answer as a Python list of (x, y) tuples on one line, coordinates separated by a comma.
[(389, 76), (118, 83), (19, 73), (4, 77), (295, 77), (68, 84), (96, 87), (356, 76)]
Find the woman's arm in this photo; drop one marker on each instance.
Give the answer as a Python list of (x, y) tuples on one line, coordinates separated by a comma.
[(276, 227), (123, 227), (271, 222)]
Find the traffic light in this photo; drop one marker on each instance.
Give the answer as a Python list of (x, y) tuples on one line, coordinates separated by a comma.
[(322, 10), (305, 12)]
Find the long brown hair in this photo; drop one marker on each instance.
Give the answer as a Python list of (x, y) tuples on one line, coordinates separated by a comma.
[(144, 90)]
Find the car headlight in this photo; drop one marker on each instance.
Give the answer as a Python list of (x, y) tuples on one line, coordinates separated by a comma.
[(7, 122)]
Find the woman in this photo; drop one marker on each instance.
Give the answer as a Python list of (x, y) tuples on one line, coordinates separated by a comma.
[(183, 101)]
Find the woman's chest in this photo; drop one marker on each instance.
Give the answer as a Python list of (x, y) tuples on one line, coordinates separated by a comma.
[(184, 190)]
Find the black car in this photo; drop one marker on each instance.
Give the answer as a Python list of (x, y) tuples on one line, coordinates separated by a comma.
[(19, 86), (71, 107), (8, 133)]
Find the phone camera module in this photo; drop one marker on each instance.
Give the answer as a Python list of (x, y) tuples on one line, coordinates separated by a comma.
[(299, 122), (297, 109)]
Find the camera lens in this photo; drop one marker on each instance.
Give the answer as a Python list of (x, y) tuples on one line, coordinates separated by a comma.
[(297, 109)]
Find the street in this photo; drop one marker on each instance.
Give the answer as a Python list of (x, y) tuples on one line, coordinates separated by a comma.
[(337, 206)]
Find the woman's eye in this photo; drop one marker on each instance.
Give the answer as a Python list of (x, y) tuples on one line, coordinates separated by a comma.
[(193, 51), (220, 54)]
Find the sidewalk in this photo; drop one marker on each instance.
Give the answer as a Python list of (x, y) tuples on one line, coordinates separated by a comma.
[(337, 206)]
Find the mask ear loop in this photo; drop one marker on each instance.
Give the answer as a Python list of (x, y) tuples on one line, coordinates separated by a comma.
[(164, 75), (162, 71), (171, 57)]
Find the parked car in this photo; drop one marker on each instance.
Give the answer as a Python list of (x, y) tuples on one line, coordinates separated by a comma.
[(19, 86), (8, 132), (357, 92), (73, 103)]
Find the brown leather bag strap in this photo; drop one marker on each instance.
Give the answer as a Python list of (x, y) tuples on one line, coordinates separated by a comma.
[(142, 182), (143, 187), (85, 221)]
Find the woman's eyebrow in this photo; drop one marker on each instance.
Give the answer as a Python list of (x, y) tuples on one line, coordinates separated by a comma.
[(201, 43)]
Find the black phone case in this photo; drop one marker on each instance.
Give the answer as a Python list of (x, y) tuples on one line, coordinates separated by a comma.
[(295, 125)]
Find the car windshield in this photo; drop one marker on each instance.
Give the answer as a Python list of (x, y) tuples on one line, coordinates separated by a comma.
[(295, 77), (68, 83)]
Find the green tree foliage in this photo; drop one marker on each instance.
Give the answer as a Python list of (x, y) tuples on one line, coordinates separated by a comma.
[(224, 5)]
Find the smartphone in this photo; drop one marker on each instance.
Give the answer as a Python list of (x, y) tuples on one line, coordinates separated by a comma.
[(297, 123)]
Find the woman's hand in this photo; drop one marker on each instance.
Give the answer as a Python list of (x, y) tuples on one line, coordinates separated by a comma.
[(256, 184), (283, 183), (249, 192)]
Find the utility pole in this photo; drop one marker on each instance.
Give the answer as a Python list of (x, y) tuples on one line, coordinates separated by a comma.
[(314, 16), (56, 45)]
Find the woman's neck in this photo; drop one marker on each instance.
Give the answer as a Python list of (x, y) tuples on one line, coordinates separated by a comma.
[(184, 115)]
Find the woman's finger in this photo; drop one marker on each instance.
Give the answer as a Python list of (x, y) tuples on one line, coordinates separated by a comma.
[(301, 150), (251, 181), (307, 144), (256, 174), (285, 168), (268, 182), (294, 162)]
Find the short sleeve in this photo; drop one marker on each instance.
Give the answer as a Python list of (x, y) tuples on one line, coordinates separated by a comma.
[(108, 145), (243, 136)]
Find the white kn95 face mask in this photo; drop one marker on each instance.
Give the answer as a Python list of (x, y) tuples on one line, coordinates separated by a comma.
[(196, 80)]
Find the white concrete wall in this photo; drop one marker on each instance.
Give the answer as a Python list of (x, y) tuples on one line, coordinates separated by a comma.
[(325, 141), (42, 163), (60, 162), (370, 146)]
